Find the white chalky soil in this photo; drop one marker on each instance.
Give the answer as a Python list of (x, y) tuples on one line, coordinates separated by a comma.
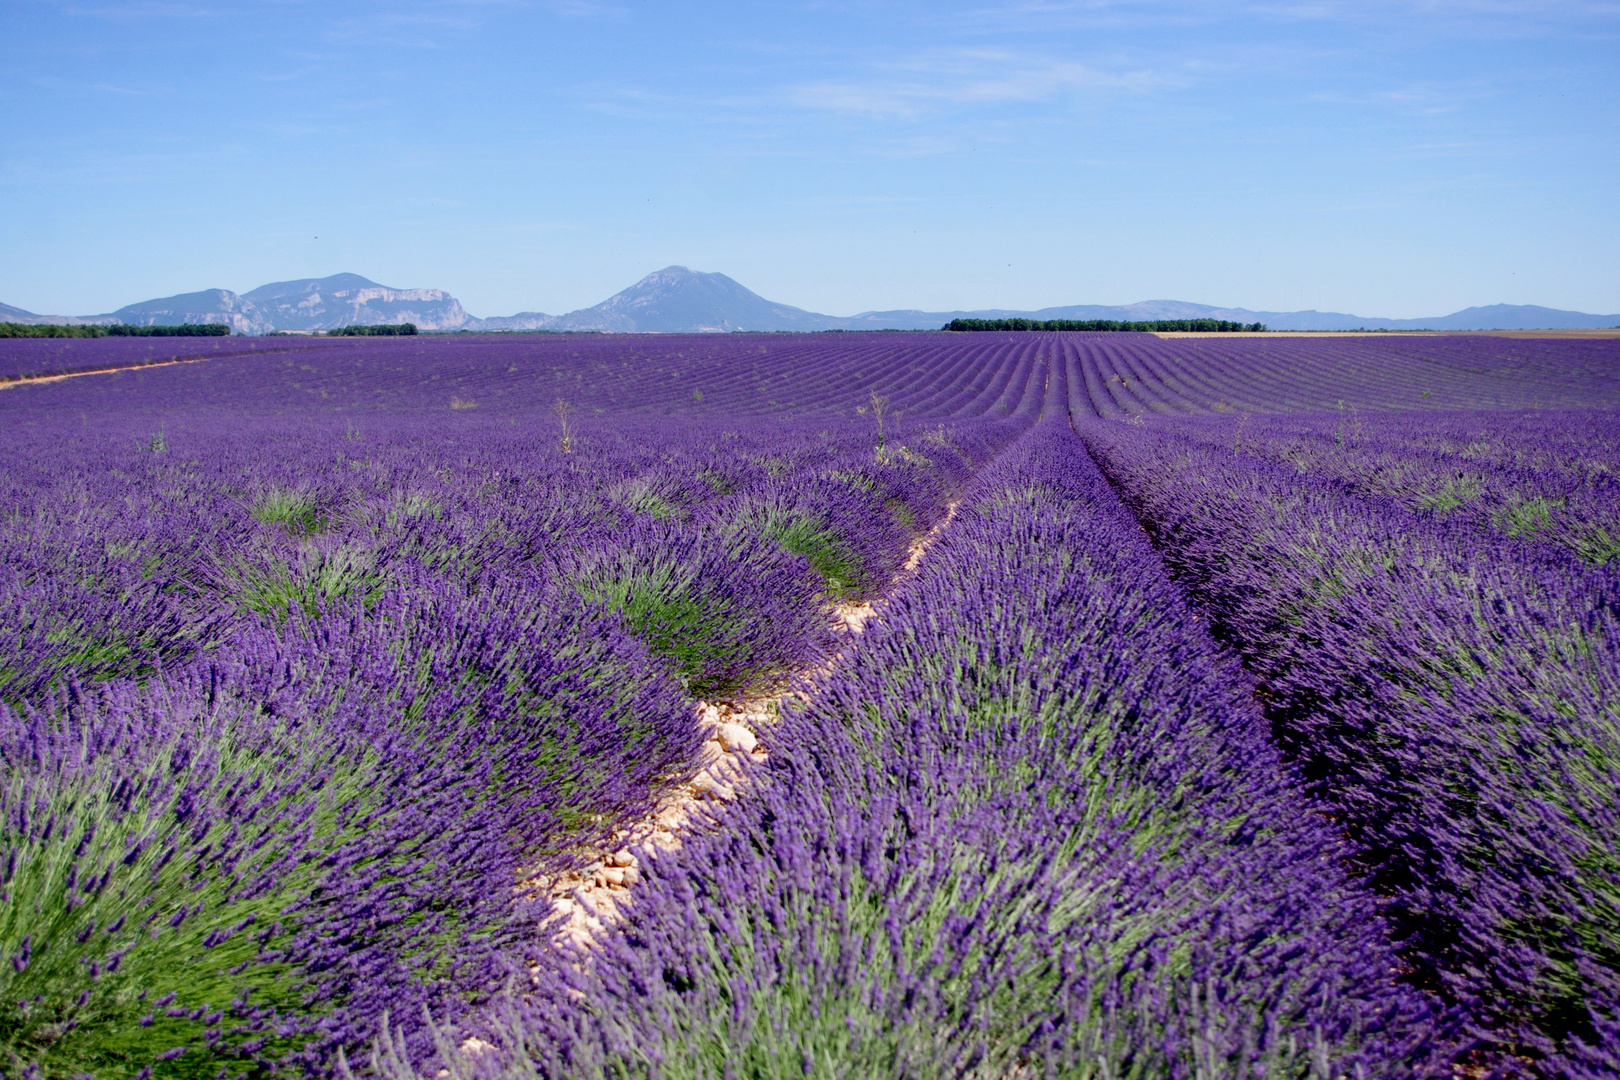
[(736, 736)]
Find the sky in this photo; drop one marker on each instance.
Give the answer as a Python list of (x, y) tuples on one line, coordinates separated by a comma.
[(1396, 159)]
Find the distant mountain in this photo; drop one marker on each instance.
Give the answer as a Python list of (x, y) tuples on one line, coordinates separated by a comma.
[(523, 320), (208, 306), (307, 304), (911, 319), (1504, 317), (1494, 317), (351, 300), (18, 315), (676, 300)]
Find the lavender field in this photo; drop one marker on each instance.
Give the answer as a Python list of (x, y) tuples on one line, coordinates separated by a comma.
[(834, 705)]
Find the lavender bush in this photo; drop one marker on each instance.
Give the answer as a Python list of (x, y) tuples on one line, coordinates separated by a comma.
[(361, 789), (1452, 694), (1547, 476)]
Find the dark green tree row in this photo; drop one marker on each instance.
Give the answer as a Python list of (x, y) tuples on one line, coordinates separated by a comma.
[(390, 330), (15, 330), (1201, 325)]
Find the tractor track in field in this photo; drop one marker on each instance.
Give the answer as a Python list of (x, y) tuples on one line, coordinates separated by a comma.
[(36, 380), (595, 898)]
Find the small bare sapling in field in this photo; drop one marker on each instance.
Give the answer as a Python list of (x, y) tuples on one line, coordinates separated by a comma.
[(1339, 438), (879, 405), (1237, 440), (563, 409)]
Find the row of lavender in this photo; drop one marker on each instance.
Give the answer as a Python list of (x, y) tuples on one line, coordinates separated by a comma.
[(1432, 613), (288, 710), (1032, 826), (1127, 376), (1542, 477)]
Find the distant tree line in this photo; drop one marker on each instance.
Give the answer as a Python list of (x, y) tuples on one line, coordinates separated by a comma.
[(391, 330), (15, 330), (1208, 326)]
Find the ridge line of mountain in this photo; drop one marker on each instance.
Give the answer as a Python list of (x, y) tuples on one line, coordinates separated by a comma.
[(678, 300)]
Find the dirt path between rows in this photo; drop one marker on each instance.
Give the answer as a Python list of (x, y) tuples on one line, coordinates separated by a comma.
[(35, 380), (596, 897)]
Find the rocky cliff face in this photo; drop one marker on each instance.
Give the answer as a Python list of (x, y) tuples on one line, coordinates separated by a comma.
[(308, 304), (351, 300), (208, 306), (523, 320)]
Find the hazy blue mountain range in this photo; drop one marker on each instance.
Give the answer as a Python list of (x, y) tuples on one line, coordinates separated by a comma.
[(678, 300), (1493, 317), (16, 314), (309, 304)]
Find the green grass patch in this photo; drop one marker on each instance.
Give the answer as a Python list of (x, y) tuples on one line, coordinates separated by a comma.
[(840, 569), (272, 586), (1596, 545), (131, 918), (1450, 495), (1525, 517), (640, 497), (664, 604), (295, 511)]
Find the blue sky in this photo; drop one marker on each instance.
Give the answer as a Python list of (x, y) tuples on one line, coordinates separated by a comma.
[(1384, 158)]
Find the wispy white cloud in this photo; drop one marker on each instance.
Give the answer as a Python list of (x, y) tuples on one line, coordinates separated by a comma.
[(925, 85), (1370, 10), (419, 29), (1347, 10), (75, 87), (630, 101), (1465, 18), (586, 9), (140, 12), (1418, 98)]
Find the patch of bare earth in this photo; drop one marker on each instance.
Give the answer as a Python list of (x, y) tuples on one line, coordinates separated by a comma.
[(591, 899), (35, 380)]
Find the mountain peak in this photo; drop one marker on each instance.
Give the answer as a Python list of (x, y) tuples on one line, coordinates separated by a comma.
[(302, 286), (306, 304), (678, 299)]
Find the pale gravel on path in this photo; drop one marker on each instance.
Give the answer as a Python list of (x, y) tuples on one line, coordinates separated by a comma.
[(35, 380)]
